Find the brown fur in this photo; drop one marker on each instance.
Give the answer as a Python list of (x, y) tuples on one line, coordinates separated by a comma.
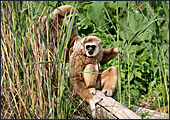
[(81, 63), (56, 21), (58, 18), (58, 15)]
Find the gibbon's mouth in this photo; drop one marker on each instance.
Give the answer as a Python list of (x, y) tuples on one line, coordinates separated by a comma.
[(90, 52)]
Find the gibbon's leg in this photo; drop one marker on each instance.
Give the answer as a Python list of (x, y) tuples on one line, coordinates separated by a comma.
[(109, 79), (81, 89), (90, 76)]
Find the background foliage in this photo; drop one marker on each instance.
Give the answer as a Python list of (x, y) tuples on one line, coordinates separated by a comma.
[(140, 28)]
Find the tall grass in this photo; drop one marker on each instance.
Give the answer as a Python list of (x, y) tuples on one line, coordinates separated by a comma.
[(131, 69), (28, 64), (161, 91), (119, 71)]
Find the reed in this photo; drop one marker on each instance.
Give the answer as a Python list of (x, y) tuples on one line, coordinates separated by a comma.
[(28, 89)]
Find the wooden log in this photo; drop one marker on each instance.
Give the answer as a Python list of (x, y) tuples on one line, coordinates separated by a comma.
[(109, 108), (151, 114)]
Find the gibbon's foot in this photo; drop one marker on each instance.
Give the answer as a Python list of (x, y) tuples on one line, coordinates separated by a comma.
[(93, 103), (92, 90), (108, 93)]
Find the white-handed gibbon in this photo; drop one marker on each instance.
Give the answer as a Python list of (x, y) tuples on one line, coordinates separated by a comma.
[(58, 18), (86, 56), (55, 33), (57, 28)]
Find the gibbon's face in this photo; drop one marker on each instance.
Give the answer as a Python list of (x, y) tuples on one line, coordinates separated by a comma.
[(91, 46), (63, 14), (90, 49)]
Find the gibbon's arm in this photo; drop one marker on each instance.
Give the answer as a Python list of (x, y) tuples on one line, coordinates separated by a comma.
[(109, 54)]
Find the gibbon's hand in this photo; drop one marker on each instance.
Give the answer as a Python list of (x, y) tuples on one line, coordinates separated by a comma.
[(122, 54)]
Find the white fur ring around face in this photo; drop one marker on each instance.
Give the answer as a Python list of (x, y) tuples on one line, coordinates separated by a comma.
[(96, 51)]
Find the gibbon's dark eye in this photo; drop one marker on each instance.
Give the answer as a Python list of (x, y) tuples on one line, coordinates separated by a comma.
[(60, 16), (93, 47), (87, 47)]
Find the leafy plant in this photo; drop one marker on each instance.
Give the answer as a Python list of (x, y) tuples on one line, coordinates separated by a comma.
[(140, 28)]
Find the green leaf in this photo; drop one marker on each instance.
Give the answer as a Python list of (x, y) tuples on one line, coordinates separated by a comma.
[(95, 12), (134, 92), (122, 4), (165, 7), (110, 4), (144, 28), (138, 74)]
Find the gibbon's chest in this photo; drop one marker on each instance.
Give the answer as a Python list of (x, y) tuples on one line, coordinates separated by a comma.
[(79, 61)]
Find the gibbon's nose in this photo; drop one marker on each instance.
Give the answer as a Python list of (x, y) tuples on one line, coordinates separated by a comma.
[(90, 52)]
